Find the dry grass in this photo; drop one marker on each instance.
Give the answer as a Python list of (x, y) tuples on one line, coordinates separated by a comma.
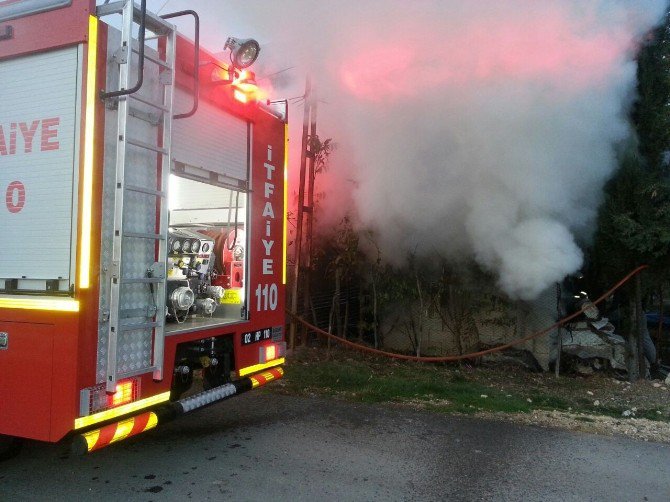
[(489, 387)]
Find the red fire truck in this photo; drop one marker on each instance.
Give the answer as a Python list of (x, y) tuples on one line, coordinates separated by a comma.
[(143, 222)]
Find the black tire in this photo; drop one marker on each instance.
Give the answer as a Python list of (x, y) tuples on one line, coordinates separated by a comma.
[(10, 447), (213, 376)]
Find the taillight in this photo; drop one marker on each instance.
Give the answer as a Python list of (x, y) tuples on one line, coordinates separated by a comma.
[(95, 399), (270, 352), (124, 393)]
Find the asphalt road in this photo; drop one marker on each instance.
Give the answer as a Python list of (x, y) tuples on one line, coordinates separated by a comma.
[(263, 446)]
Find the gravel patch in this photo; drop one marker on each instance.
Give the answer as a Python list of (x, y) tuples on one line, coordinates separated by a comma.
[(636, 428)]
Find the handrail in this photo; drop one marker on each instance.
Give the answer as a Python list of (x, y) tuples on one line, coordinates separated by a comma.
[(196, 59), (140, 68)]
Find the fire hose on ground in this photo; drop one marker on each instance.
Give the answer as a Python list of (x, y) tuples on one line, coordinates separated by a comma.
[(472, 355)]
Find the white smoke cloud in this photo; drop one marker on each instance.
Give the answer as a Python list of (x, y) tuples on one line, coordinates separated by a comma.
[(471, 130)]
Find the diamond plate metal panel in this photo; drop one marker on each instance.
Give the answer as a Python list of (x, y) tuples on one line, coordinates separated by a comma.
[(134, 347), (133, 352)]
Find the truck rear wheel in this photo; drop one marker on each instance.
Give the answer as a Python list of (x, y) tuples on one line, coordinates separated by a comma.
[(213, 376), (9, 447)]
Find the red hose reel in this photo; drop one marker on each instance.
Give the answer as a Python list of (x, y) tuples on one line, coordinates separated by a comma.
[(229, 249)]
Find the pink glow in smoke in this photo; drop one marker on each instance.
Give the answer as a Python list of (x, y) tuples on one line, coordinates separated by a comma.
[(546, 48)]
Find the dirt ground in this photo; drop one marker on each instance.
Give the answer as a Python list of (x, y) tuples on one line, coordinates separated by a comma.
[(636, 428), (598, 391), (601, 390)]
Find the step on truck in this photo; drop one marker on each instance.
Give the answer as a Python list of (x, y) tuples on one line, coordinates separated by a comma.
[(142, 220)]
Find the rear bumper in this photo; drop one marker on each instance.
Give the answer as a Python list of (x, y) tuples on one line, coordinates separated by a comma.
[(133, 425)]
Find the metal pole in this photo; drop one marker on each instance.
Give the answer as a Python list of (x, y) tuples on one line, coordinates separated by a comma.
[(559, 334), (310, 206), (301, 202)]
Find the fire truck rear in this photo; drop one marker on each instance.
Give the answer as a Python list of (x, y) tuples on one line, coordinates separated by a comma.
[(143, 184)]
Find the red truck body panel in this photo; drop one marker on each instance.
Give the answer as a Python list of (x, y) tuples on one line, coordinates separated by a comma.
[(51, 354)]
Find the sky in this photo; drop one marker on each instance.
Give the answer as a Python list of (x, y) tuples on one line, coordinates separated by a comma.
[(473, 131)]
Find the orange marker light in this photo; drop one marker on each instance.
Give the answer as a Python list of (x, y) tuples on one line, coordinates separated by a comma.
[(220, 75), (240, 96), (270, 352), (246, 84)]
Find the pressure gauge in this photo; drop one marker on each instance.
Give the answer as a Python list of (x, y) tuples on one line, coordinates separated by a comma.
[(238, 253)]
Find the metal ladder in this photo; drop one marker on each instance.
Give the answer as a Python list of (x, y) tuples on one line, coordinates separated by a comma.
[(155, 275)]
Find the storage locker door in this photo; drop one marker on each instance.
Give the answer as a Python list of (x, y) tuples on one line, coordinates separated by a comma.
[(38, 162), (211, 140)]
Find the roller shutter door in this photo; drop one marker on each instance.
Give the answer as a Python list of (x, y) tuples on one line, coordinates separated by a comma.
[(211, 140), (38, 162)]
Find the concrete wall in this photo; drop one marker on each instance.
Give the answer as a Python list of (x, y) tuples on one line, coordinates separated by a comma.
[(481, 320)]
